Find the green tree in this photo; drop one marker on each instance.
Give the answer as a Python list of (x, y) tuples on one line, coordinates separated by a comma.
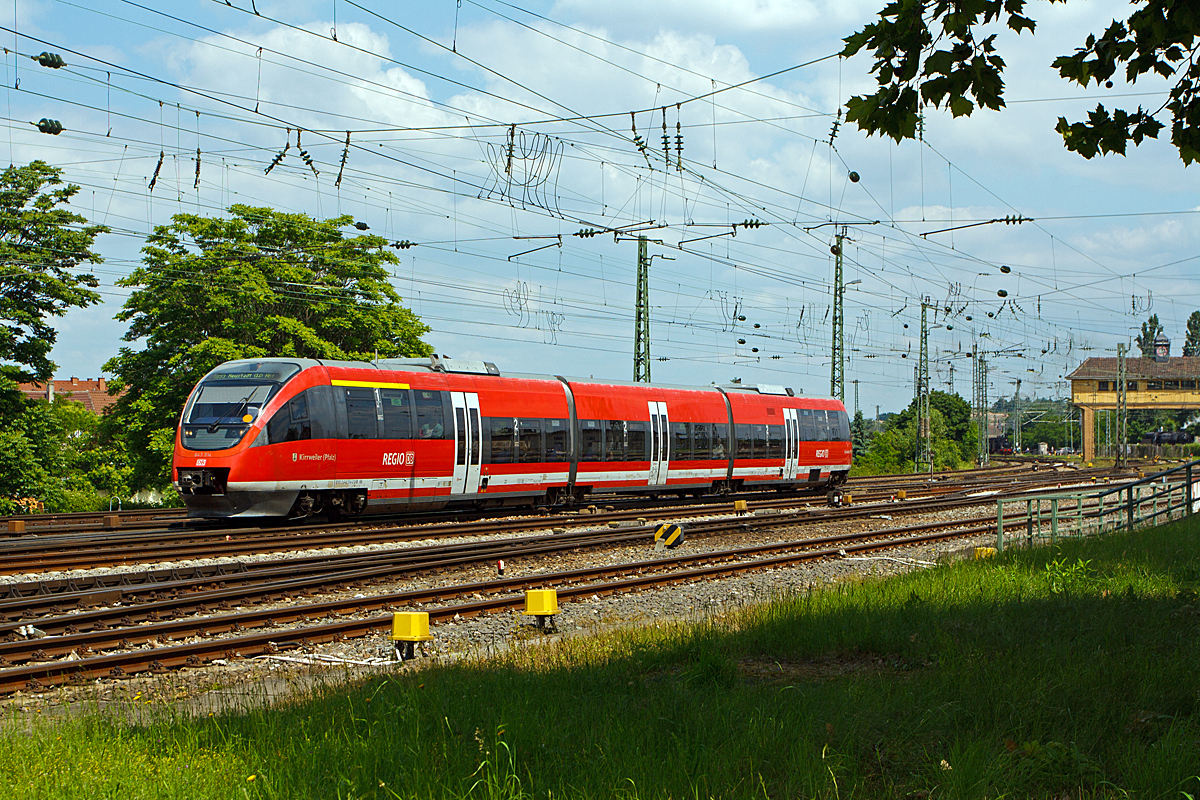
[(41, 247), (1151, 328), (956, 414), (891, 450), (1191, 342), (859, 437), (936, 52), (258, 283)]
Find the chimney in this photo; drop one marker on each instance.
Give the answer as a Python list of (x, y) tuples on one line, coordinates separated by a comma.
[(74, 381), (103, 385), (50, 391)]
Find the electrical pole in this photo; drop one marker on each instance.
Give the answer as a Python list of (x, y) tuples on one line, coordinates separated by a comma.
[(979, 401), (924, 413), (856, 397), (1017, 418), (951, 377), (641, 325), (1122, 406), (837, 370), (975, 397)]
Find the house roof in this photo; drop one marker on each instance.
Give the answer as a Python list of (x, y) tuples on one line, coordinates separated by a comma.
[(92, 393), (1138, 369)]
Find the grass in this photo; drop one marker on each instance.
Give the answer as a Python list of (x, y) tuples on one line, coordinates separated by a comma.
[(1072, 672)]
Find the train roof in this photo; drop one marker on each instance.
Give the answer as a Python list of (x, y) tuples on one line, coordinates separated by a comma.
[(444, 364)]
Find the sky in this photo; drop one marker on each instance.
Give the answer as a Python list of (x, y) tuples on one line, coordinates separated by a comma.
[(484, 131)]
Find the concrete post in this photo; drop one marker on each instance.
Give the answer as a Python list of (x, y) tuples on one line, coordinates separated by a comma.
[(1089, 433)]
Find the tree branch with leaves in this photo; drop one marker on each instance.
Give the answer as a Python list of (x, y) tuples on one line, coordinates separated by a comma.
[(937, 53)]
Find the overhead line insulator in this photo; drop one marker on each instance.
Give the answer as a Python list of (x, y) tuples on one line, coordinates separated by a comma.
[(51, 60), (50, 126)]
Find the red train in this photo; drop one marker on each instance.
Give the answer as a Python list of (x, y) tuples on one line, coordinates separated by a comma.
[(298, 437)]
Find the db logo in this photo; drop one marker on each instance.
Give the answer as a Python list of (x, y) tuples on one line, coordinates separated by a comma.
[(822, 454), (294, 456), (200, 462)]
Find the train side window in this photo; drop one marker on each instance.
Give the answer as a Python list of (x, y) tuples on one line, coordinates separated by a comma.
[(320, 411), (397, 413), (820, 429), (290, 423), (745, 441), (808, 426), (614, 440), (720, 441), (843, 426), (529, 440), (636, 451), (681, 446), (760, 441), (474, 414), (701, 444), (460, 426), (558, 440), (1187, 384), (485, 433), (590, 440), (500, 431), (431, 421), (360, 413), (774, 441)]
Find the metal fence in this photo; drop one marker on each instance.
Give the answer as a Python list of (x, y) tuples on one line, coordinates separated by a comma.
[(1153, 500)]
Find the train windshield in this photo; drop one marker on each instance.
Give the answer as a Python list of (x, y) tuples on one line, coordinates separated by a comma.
[(229, 400)]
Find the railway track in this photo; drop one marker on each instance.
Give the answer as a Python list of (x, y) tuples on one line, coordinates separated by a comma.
[(153, 647), (261, 581), (174, 519), (73, 552), (161, 619), (151, 640)]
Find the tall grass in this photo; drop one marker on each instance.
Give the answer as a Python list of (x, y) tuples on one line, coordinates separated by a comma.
[(1045, 673)]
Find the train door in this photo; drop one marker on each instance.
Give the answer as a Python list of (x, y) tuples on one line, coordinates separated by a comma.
[(468, 442), (659, 443), (791, 443)]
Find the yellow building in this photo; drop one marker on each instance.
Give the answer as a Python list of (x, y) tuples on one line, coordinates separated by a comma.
[(1156, 384)]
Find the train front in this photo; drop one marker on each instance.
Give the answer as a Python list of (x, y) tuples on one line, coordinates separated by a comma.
[(219, 434)]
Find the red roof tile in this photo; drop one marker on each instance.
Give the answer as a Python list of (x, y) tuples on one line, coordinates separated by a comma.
[(1137, 369), (92, 393)]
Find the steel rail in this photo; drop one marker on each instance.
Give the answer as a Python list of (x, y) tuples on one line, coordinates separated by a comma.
[(92, 522), (159, 659), (283, 582), (100, 588), (51, 554)]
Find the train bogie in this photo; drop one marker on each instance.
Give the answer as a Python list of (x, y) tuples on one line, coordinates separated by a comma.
[(298, 437)]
